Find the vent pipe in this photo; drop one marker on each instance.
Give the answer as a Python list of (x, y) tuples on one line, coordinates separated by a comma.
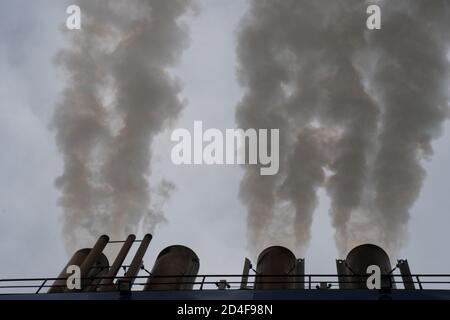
[(407, 278), (93, 256), (342, 273), (98, 271), (136, 263), (245, 273), (300, 274), (107, 284)]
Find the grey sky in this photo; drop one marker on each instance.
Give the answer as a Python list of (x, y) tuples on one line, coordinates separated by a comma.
[(204, 212)]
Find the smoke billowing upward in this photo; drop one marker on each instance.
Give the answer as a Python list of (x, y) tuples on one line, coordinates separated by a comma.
[(119, 95), (357, 112)]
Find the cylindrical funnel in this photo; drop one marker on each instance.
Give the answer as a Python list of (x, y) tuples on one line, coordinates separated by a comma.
[(178, 261), (78, 257), (275, 269), (98, 269), (359, 259)]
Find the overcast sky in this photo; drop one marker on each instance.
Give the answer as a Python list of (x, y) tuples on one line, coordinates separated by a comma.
[(204, 212)]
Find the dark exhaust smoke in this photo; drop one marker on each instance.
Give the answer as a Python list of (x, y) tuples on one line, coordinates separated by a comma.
[(357, 110), (119, 94)]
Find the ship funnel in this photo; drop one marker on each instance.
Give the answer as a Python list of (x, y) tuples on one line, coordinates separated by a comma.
[(353, 270), (175, 268), (276, 269), (92, 263)]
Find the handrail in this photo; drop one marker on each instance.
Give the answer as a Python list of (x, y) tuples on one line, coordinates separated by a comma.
[(209, 281)]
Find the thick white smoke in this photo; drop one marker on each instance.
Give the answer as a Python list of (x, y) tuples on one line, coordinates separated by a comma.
[(357, 111), (119, 95)]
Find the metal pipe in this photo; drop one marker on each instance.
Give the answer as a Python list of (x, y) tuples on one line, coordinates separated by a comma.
[(97, 272), (78, 257), (122, 241), (93, 256), (136, 263), (107, 284), (342, 273), (300, 274), (245, 273), (408, 281)]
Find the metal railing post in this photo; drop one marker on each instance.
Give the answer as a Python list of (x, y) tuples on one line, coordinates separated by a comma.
[(420, 284), (41, 286), (203, 281)]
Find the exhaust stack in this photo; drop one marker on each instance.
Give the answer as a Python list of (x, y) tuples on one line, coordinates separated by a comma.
[(92, 263), (107, 284), (94, 255), (178, 261), (276, 269), (353, 269), (136, 263)]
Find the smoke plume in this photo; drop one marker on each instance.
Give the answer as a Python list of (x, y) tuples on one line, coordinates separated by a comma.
[(357, 110), (119, 94)]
